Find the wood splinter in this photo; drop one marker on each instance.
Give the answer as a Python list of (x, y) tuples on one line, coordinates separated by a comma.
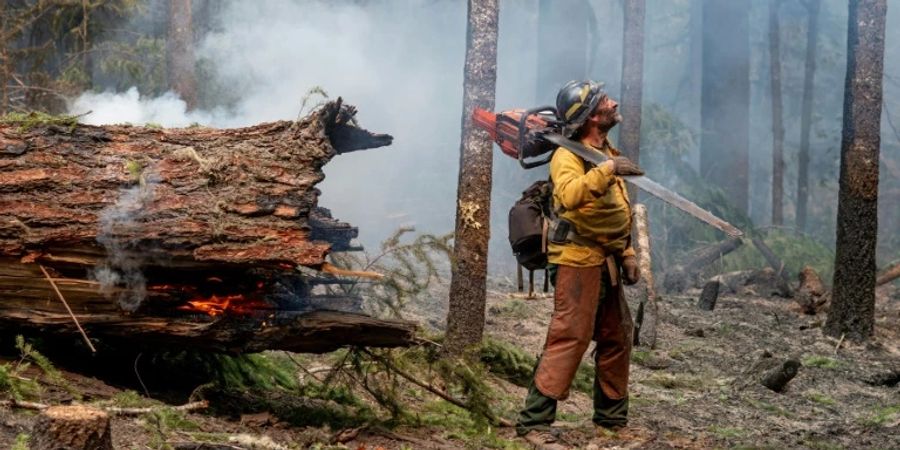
[(334, 270)]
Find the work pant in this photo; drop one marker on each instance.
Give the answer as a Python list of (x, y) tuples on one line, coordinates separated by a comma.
[(587, 305)]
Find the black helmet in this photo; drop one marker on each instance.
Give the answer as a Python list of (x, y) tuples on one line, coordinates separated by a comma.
[(575, 103)]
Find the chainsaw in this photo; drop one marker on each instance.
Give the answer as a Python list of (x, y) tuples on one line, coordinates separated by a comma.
[(532, 135)]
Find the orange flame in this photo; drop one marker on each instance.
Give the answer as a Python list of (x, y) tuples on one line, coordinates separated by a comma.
[(235, 304)]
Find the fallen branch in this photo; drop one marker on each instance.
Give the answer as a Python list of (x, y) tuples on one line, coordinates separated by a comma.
[(499, 420), (66, 304), (187, 407), (889, 274)]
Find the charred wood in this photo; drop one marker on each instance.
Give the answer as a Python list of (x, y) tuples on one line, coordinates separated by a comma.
[(778, 378), (709, 296), (684, 275)]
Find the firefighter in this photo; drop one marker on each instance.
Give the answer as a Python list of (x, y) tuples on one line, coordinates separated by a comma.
[(590, 250)]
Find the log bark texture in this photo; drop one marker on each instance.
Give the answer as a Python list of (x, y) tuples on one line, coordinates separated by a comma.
[(75, 427), (171, 196), (180, 236)]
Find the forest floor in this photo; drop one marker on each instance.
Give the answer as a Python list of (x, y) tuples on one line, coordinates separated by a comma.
[(699, 389)]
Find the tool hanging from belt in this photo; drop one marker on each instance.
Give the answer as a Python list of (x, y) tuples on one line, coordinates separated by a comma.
[(561, 231)]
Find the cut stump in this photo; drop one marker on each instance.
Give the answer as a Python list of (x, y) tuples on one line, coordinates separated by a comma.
[(75, 427)]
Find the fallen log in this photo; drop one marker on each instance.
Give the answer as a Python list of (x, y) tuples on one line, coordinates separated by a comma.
[(684, 275), (783, 283), (188, 236), (889, 274), (647, 316)]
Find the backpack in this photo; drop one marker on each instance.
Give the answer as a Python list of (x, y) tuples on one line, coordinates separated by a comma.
[(529, 219)]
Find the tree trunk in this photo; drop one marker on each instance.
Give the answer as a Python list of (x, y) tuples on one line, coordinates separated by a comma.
[(809, 74), (632, 82), (853, 301), (180, 52), (465, 320), (777, 116), (725, 99), (75, 427)]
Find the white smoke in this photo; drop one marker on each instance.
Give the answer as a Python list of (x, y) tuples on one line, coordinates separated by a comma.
[(102, 108)]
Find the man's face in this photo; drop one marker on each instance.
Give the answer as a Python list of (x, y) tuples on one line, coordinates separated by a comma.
[(607, 114)]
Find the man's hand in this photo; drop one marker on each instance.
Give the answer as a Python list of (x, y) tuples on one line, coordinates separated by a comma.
[(630, 270), (624, 166)]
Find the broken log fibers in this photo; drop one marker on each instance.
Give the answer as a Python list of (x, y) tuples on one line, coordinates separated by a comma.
[(187, 235)]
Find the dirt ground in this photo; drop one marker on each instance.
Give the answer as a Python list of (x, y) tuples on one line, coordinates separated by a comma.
[(699, 389)]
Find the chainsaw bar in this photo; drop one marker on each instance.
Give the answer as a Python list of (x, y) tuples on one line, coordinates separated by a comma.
[(647, 185)]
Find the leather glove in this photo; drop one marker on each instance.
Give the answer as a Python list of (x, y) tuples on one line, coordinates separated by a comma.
[(624, 166), (630, 270)]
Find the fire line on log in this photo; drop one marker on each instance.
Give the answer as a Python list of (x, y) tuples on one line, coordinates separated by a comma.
[(235, 304)]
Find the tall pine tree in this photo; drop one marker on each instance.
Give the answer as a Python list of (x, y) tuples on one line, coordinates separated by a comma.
[(853, 297), (465, 320)]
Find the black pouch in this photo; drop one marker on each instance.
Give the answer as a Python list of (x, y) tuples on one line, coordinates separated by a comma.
[(560, 234)]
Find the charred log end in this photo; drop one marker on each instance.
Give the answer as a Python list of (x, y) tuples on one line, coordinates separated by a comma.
[(76, 427), (343, 132), (709, 296), (778, 378)]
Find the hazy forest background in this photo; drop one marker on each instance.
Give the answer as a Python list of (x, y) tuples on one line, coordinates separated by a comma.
[(400, 63), (727, 86)]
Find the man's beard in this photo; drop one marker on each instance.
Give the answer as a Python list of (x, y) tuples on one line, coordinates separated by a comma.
[(609, 122)]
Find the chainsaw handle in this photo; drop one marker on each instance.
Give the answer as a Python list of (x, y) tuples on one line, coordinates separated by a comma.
[(523, 127)]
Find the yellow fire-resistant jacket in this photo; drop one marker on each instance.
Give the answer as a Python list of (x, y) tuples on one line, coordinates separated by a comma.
[(596, 203)]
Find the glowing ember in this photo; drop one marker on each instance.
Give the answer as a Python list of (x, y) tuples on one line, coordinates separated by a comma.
[(235, 304)]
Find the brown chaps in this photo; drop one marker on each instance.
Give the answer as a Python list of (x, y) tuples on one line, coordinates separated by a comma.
[(588, 304)]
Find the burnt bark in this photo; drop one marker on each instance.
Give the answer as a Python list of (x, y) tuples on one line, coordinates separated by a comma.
[(180, 52), (632, 81), (809, 74), (709, 296), (777, 115), (853, 301), (465, 319), (778, 378), (725, 99)]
